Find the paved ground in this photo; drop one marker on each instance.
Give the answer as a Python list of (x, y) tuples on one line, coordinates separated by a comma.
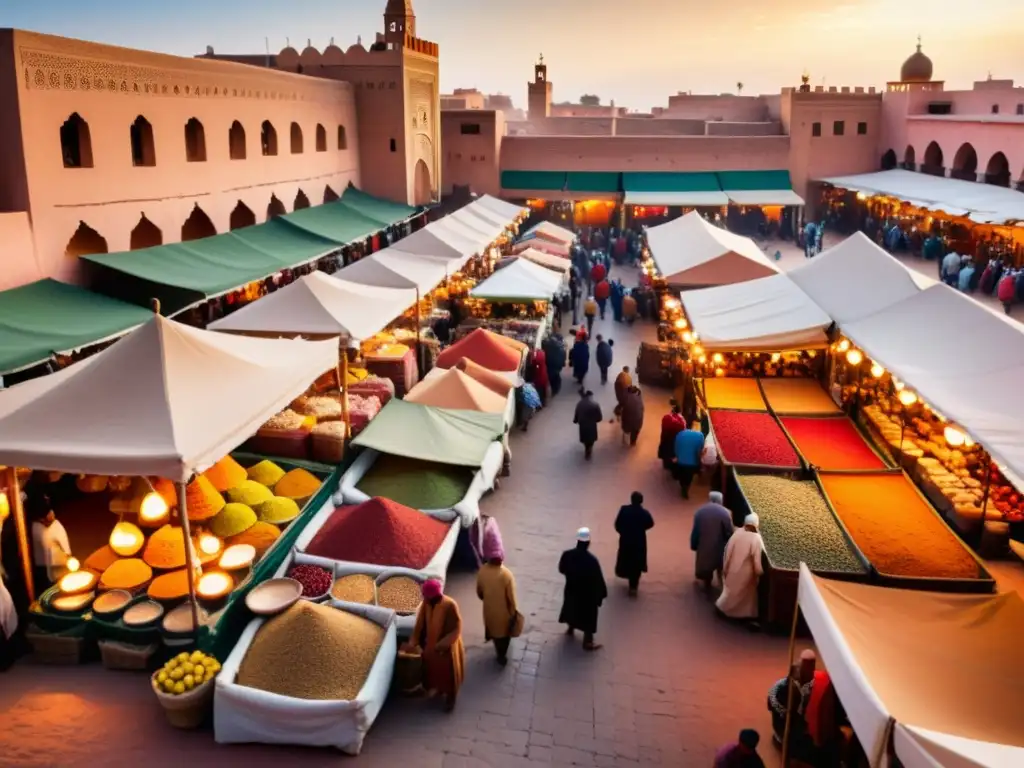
[(671, 684)]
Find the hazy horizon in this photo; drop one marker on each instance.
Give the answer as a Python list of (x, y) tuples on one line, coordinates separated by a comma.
[(636, 57)]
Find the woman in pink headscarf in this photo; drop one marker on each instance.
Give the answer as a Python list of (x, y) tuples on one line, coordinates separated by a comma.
[(438, 637), (496, 586)]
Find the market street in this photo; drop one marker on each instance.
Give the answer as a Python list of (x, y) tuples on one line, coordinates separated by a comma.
[(671, 684)]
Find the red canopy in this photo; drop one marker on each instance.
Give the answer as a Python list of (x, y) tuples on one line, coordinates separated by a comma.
[(484, 348)]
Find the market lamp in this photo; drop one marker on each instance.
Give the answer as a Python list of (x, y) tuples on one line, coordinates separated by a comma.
[(680, 323), (153, 508), (702, 359), (72, 565), (719, 372), (954, 437), (843, 345), (877, 371), (776, 356), (126, 539), (688, 337), (717, 357), (854, 357), (907, 397)]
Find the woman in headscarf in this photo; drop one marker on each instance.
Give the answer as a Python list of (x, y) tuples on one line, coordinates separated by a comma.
[(438, 636), (741, 569), (496, 586)]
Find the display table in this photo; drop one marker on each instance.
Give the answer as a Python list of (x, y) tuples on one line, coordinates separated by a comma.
[(655, 364), (396, 362)]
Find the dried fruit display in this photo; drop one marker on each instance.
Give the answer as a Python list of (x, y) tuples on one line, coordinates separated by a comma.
[(797, 526), (315, 581), (739, 394), (894, 527), (831, 443), (752, 438), (798, 396)]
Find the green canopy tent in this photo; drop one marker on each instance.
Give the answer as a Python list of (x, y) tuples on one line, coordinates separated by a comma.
[(335, 221), (432, 434), (45, 318), (382, 211)]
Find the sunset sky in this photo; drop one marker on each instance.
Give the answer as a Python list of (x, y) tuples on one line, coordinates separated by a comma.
[(635, 52)]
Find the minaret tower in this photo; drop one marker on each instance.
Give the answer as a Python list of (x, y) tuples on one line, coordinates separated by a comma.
[(399, 21), (539, 101)]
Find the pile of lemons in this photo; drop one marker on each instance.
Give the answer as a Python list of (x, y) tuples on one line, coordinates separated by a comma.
[(185, 672)]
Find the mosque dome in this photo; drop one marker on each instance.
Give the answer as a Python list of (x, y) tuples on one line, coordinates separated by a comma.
[(916, 69)]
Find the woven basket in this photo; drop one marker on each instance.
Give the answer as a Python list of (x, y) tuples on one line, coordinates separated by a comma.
[(125, 656), (53, 649), (188, 710), (328, 449)]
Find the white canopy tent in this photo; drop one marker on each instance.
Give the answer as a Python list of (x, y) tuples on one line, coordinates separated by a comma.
[(984, 203), (964, 360), (478, 211), (471, 240), (926, 671), (690, 251), (557, 263), (552, 232), (487, 228), (856, 278), (508, 210), (166, 400), (542, 244), (764, 197), (521, 280), (392, 268), (320, 305), (769, 314)]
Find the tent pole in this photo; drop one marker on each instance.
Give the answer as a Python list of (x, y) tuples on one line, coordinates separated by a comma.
[(189, 564), (14, 489), (791, 685), (343, 388), (418, 376)]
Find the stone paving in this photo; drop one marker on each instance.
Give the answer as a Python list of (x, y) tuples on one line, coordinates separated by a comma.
[(671, 684)]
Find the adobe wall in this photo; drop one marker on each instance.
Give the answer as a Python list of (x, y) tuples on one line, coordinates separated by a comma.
[(986, 138), (737, 109), (109, 87), (470, 159), (20, 265)]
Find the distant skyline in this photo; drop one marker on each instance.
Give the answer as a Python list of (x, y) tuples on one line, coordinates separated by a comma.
[(635, 53)]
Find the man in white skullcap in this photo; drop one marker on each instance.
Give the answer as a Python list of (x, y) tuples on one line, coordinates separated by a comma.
[(712, 527), (741, 569), (585, 589)]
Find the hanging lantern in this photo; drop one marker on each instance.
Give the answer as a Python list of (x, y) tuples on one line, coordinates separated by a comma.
[(717, 357), (688, 337), (702, 359), (72, 564), (209, 544), (812, 354), (907, 397), (877, 371), (954, 437), (719, 372), (126, 539), (854, 357), (5, 505), (680, 324), (897, 384), (843, 345), (776, 357), (153, 508)]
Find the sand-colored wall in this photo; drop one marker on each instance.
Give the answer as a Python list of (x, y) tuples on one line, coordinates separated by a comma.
[(19, 255), (472, 159), (109, 87)]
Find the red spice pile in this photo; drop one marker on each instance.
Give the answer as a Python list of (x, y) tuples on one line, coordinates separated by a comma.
[(752, 438), (379, 532), (832, 444)]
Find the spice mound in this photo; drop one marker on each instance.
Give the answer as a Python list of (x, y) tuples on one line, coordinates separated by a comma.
[(169, 586), (233, 520), (129, 573), (166, 548), (265, 473), (202, 499), (740, 394), (795, 396), (895, 529), (250, 493), (354, 588), (832, 444), (297, 484), (379, 532), (752, 438), (315, 581), (277, 510), (797, 526), (312, 652), (260, 537), (226, 473), (401, 594), (416, 484)]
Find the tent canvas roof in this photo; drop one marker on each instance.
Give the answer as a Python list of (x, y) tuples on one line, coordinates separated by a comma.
[(522, 280), (320, 305), (691, 251), (456, 390), (767, 314), (501, 383), (45, 318), (461, 235), (165, 400), (984, 203), (550, 231), (965, 361), (383, 211), (484, 348), (929, 661), (491, 217), (489, 229), (392, 268), (432, 434), (333, 221), (855, 279), (509, 211), (550, 261), (541, 244)]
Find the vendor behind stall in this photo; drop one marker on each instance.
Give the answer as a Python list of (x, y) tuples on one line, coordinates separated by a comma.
[(50, 546)]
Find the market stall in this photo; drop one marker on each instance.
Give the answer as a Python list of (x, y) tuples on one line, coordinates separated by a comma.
[(521, 282), (164, 403), (690, 252), (457, 390), (488, 349), (833, 444), (547, 230), (798, 397), (751, 439), (768, 314), (556, 263), (512, 213), (957, 704), (445, 452), (544, 245)]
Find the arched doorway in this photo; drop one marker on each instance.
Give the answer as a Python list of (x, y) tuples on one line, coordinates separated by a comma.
[(933, 160), (145, 235), (301, 201), (909, 158), (423, 189), (965, 163), (75, 142), (889, 160), (329, 194), (85, 241), (997, 171), (236, 141), (275, 208), (242, 216), (197, 226)]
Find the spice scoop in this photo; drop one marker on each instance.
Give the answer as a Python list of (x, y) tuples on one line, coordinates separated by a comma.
[(273, 596)]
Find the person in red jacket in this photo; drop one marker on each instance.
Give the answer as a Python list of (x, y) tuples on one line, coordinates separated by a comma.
[(540, 375), (603, 291), (597, 273), (1006, 290)]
